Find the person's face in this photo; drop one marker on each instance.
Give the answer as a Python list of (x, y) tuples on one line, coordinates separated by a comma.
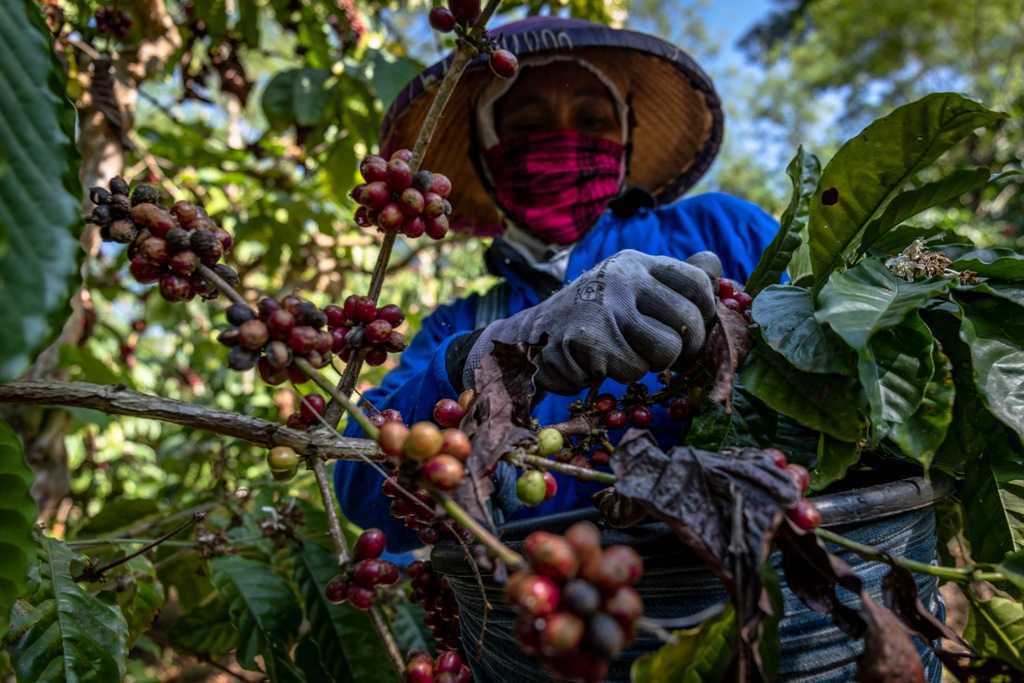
[(558, 96)]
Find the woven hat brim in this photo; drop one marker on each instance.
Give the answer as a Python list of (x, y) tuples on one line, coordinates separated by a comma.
[(678, 115)]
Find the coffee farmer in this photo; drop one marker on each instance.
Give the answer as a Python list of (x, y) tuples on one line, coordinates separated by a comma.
[(576, 165)]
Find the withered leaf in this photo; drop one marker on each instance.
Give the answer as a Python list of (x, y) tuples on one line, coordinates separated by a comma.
[(726, 347), (889, 654), (725, 506), (899, 591), (497, 420)]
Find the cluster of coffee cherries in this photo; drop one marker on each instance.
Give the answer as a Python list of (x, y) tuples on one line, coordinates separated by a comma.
[(805, 513), (438, 600), (733, 297), (361, 324), (395, 199), (535, 486), (165, 246), (425, 451), (576, 603), (447, 668), (357, 584), (458, 16), (113, 22)]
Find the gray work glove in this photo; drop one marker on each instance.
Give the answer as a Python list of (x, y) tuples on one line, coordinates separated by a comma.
[(629, 315)]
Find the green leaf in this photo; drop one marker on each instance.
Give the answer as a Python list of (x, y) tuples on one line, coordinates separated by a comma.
[(249, 22), (894, 369), (118, 513), (785, 315), (1012, 567), (803, 172), (698, 655), (899, 238), (263, 610), (994, 331), (142, 598), (349, 647), (1000, 263), (39, 189), (17, 520), (834, 459), (73, 636), (872, 167), (825, 403), (912, 202), (920, 436), (995, 627), (993, 496), (391, 74), (1011, 293), (296, 96), (207, 629), (867, 298), (187, 571), (410, 630)]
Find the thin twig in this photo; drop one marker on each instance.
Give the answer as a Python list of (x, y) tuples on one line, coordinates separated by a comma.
[(218, 282), (580, 473), (354, 411), (90, 574), (510, 557)]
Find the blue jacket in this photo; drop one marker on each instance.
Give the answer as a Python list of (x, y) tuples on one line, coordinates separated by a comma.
[(736, 230)]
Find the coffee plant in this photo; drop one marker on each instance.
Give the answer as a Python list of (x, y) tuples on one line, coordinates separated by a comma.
[(892, 346)]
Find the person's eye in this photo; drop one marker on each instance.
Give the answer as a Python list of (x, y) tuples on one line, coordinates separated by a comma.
[(593, 121)]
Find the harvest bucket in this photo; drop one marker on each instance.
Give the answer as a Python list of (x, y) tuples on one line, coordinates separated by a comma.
[(897, 517)]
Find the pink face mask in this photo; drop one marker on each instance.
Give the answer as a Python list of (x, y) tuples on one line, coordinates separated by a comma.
[(556, 185)]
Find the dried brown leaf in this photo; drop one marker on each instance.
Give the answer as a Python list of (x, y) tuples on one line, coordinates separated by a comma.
[(726, 347)]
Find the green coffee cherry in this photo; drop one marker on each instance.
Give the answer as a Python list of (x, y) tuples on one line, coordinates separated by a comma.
[(531, 488), (549, 441)]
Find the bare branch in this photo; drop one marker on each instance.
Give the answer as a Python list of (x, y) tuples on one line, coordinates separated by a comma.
[(117, 400)]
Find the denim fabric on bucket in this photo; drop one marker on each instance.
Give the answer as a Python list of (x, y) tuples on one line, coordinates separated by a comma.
[(675, 584)]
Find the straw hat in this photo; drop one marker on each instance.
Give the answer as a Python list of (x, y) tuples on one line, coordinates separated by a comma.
[(678, 116)]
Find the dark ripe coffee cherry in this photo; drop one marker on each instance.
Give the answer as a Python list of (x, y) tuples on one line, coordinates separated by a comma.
[(225, 238), (433, 205), (563, 632), (297, 376), (278, 355), (241, 359), (311, 406), (801, 477), (640, 416), (266, 306), (389, 574), (178, 239), (367, 573), (302, 339), (448, 413), (530, 488), (615, 419), (270, 375), (311, 316), (395, 342), (336, 590), (376, 357), (411, 201), (227, 274), (778, 457), (391, 438), (455, 444), (377, 332), (152, 218), (145, 194), (402, 154), (600, 458), (391, 218), (503, 63), (120, 207), (429, 536), (805, 515), (392, 314), (364, 310), (335, 315), (444, 472), (338, 335), (448, 661), (442, 19), (624, 605), (537, 595), (373, 168), (726, 288), (370, 544), (551, 555), (206, 245), (550, 486), (119, 185), (527, 634), (356, 193), (390, 415), (202, 287), (280, 324), (187, 214), (680, 409), (155, 250), (175, 288), (123, 231), (184, 262), (465, 11), (422, 181), (324, 342), (361, 598), (363, 218), (253, 335), (349, 307), (581, 598), (291, 304), (354, 338), (418, 568), (437, 227), (399, 175), (237, 314), (376, 195), (441, 185), (99, 195), (605, 636), (414, 227), (733, 304), (604, 403), (419, 671)]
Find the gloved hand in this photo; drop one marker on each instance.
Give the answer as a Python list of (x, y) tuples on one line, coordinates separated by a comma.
[(629, 315)]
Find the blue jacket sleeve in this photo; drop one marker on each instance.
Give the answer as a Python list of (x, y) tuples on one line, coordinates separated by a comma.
[(412, 388)]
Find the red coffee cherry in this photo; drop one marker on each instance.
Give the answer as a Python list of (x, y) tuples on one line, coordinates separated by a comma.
[(144, 271), (743, 299), (448, 413), (441, 185), (551, 485), (392, 437), (444, 472), (373, 168), (625, 605), (805, 515), (563, 632), (442, 19), (336, 590), (778, 457), (585, 538), (311, 406), (615, 419), (414, 227), (604, 403), (424, 441), (733, 304), (456, 444), (551, 555), (175, 288), (640, 416), (361, 598), (726, 288), (437, 227), (375, 357), (391, 218), (399, 175), (371, 544), (537, 595), (801, 477), (392, 313), (504, 64), (377, 332)]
